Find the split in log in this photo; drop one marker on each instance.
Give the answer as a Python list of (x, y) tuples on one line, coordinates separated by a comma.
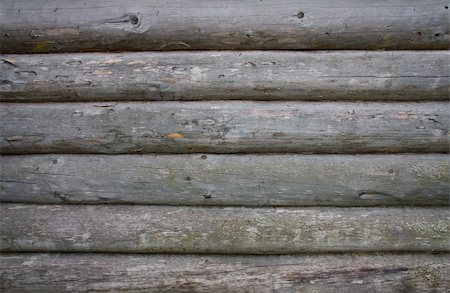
[(207, 179), (167, 229), (216, 273), (34, 26), (275, 75), (224, 127)]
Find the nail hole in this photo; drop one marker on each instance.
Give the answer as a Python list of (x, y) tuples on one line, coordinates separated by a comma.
[(390, 171), (207, 195), (203, 157), (134, 20), (301, 14), (55, 161), (419, 33), (446, 7), (187, 178), (437, 35)]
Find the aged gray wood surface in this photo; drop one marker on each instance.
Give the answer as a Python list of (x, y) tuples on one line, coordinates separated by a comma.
[(275, 180), (256, 75), (214, 273), (224, 127), (237, 230), (107, 25)]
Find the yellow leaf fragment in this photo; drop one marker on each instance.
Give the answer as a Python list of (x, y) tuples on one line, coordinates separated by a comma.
[(175, 135)]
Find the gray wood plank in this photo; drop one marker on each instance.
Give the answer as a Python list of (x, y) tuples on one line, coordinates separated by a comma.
[(224, 127), (206, 179), (255, 75), (33, 26), (214, 273), (168, 229)]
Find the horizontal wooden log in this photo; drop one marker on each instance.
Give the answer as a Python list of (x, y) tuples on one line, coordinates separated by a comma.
[(168, 229), (196, 273), (224, 127), (256, 75), (33, 26), (255, 180)]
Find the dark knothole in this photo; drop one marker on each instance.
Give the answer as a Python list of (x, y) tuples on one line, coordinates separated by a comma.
[(134, 20)]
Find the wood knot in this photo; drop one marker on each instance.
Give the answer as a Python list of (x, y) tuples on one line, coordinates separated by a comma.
[(134, 20), (301, 14)]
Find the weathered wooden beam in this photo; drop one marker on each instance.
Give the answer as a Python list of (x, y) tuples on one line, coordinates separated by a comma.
[(214, 273), (33, 26), (224, 127), (255, 180), (168, 229), (256, 75)]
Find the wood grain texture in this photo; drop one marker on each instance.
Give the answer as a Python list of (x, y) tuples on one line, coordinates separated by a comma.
[(197, 273), (255, 180), (167, 229), (33, 26), (256, 75), (224, 127)]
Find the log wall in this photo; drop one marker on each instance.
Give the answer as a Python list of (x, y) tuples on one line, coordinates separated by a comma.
[(189, 146)]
